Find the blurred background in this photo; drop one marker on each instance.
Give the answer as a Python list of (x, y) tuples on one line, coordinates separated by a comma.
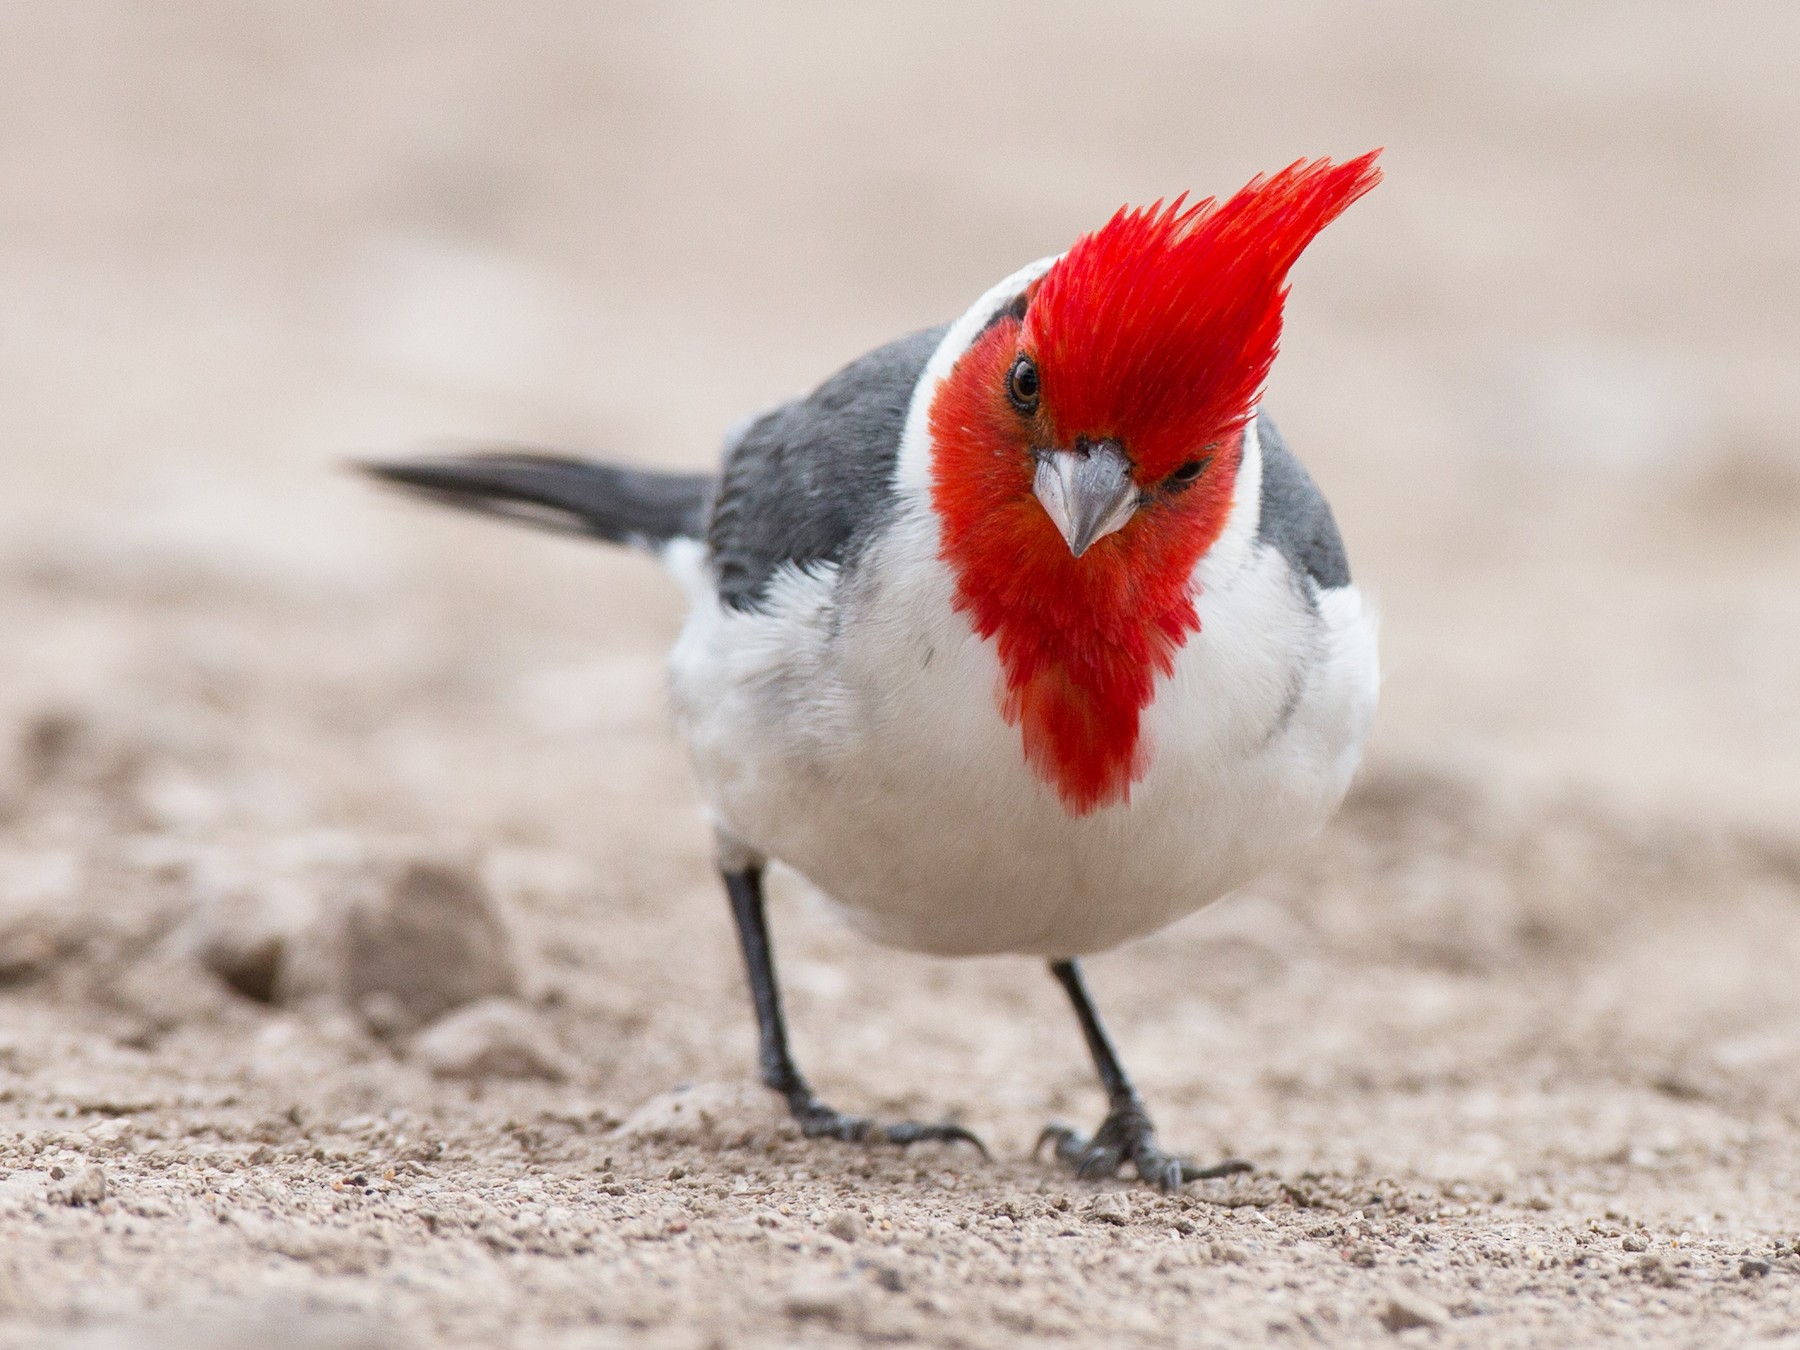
[(1546, 374)]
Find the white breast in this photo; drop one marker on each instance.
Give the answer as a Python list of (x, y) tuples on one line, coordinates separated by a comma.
[(852, 731)]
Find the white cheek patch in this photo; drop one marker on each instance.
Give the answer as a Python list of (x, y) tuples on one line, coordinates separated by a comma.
[(1232, 549), (912, 470)]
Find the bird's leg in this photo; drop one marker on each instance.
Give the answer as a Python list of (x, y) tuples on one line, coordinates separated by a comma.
[(1126, 1135), (779, 1071)]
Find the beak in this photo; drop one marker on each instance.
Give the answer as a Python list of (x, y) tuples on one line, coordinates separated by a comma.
[(1088, 493)]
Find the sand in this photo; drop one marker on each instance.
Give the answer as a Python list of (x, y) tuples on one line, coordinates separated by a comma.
[(363, 980)]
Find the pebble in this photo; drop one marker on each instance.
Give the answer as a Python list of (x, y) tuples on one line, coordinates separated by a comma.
[(26, 952), (832, 1301), (495, 1038), (1407, 1309), (890, 1279), (167, 988), (244, 938), (427, 941), (87, 1188), (1105, 1208), (846, 1225), (715, 1115)]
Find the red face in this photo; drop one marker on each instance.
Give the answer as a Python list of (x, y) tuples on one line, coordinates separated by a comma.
[(1085, 450)]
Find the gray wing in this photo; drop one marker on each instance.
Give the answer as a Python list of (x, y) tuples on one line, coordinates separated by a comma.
[(1296, 520), (813, 480)]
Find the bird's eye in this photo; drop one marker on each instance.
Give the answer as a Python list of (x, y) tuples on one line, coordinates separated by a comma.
[(1189, 472), (1022, 385)]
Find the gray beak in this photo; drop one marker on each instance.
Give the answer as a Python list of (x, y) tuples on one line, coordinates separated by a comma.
[(1088, 493)]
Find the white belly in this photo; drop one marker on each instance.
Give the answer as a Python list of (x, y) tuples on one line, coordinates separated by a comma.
[(860, 742)]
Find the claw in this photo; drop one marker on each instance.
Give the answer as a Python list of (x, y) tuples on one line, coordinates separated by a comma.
[(1126, 1136), (912, 1132), (1167, 1177), (1229, 1168), (1099, 1163), (1054, 1135), (818, 1121)]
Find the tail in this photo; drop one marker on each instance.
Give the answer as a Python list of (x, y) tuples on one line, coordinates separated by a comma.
[(603, 501)]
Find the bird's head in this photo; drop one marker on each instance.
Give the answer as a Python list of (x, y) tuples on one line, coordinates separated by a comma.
[(1085, 450)]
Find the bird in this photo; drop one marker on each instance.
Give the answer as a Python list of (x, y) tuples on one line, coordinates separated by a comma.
[(1026, 633)]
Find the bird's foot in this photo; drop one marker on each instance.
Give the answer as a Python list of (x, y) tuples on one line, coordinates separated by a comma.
[(1127, 1136), (819, 1121)]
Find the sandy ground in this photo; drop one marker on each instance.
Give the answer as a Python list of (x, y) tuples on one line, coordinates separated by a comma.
[(362, 978)]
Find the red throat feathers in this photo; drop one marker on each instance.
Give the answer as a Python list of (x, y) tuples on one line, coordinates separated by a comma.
[(1156, 332)]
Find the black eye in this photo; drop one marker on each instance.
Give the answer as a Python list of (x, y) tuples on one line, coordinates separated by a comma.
[(1022, 385), (1189, 472)]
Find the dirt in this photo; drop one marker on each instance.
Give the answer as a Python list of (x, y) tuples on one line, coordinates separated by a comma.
[(362, 977)]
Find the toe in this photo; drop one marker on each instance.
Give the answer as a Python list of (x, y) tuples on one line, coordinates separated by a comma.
[(1229, 1168), (911, 1132), (1057, 1136), (1163, 1173), (1098, 1162), (1066, 1144), (818, 1121), (832, 1125)]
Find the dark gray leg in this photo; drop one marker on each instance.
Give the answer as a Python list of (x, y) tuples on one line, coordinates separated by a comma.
[(779, 1072), (1126, 1135)]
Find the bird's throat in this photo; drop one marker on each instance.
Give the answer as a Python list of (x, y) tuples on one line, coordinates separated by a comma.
[(1083, 642), (1078, 671)]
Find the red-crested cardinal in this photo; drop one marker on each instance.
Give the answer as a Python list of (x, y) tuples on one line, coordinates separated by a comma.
[(1022, 634)]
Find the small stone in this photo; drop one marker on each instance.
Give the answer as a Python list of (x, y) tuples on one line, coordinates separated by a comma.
[(87, 1188), (428, 941), (385, 1015), (240, 945), (48, 742), (713, 1115), (1754, 1268), (495, 1038), (168, 988), (1108, 1209), (1634, 1242), (846, 1225), (1407, 1309), (833, 1302), (26, 951)]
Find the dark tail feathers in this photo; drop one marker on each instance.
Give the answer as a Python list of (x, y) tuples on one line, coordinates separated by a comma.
[(604, 501)]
